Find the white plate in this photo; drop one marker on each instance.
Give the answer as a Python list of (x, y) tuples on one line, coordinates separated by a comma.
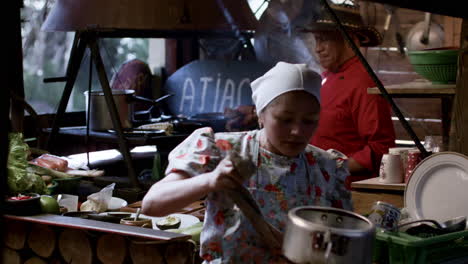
[(185, 219), (116, 203), (438, 187)]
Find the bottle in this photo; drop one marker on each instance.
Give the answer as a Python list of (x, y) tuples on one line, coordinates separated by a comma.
[(157, 170)]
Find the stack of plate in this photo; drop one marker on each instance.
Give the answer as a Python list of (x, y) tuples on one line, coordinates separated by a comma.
[(438, 188)]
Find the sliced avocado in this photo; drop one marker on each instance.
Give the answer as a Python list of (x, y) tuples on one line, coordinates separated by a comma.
[(169, 222)]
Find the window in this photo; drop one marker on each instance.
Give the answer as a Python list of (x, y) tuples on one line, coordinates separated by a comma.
[(46, 54)]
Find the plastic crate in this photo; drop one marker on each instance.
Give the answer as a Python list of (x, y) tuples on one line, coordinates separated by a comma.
[(399, 247)]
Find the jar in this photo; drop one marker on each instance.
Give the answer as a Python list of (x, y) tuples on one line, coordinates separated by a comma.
[(414, 157)]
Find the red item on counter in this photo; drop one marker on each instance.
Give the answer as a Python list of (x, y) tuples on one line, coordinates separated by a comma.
[(19, 198), (414, 157), (51, 162)]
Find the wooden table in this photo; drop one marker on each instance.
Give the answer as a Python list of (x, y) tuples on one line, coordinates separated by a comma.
[(366, 192)]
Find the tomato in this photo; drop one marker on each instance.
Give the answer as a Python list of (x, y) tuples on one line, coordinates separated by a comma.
[(19, 198)]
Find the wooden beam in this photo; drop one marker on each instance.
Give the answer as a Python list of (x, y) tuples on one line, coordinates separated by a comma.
[(447, 7), (16, 68), (452, 29), (459, 128)]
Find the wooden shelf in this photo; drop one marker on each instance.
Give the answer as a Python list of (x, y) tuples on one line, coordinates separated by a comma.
[(418, 88), (373, 183)]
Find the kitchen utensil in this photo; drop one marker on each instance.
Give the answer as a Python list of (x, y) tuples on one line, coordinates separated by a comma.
[(437, 188), (425, 35), (391, 14), (99, 117), (137, 214), (246, 203), (317, 234), (449, 226), (142, 222)]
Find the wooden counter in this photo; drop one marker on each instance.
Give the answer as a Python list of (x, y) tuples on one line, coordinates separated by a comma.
[(366, 192), (93, 225), (47, 238)]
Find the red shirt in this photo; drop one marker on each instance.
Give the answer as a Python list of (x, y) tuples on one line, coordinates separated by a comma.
[(352, 121)]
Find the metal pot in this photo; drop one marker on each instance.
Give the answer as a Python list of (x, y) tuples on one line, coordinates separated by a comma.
[(99, 116), (328, 235)]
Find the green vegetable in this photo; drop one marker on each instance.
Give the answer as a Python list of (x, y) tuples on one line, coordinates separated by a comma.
[(193, 230), (168, 222), (49, 205), (20, 180)]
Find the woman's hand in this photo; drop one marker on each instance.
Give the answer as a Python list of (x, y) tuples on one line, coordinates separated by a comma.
[(225, 176)]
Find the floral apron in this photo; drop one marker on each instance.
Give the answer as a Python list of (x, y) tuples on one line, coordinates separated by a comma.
[(276, 195)]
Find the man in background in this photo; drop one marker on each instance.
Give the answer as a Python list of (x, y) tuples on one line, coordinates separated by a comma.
[(351, 120)]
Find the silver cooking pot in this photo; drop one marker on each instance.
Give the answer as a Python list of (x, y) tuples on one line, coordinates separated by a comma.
[(99, 116), (317, 234)]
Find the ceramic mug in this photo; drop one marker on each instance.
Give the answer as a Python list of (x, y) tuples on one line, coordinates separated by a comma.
[(141, 222), (391, 169), (385, 215)]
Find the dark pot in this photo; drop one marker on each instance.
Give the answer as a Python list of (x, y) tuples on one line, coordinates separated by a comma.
[(217, 121)]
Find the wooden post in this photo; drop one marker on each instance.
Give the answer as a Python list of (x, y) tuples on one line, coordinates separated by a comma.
[(15, 47), (145, 252), (75, 246), (42, 240), (459, 128), (452, 29), (35, 260), (10, 256), (111, 249), (15, 234)]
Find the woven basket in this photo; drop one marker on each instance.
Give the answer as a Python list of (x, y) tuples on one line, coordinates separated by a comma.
[(438, 66)]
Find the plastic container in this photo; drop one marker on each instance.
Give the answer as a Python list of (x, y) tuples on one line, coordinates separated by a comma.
[(437, 65), (399, 247)]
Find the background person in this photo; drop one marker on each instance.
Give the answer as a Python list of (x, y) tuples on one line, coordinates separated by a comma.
[(351, 120)]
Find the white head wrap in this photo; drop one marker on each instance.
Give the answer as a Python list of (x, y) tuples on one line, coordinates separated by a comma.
[(283, 78)]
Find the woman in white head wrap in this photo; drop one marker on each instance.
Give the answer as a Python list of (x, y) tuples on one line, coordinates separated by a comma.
[(285, 170)]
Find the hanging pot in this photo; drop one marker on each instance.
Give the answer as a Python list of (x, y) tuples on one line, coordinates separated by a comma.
[(328, 235), (425, 35), (99, 116)]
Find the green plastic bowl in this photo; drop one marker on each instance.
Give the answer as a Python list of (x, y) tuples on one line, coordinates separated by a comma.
[(67, 185), (53, 187), (437, 65)]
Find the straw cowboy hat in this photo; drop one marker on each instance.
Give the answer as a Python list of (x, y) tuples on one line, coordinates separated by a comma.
[(351, 19)]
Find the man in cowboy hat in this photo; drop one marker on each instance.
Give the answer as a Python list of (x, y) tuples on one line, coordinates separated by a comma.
[(351, 121)]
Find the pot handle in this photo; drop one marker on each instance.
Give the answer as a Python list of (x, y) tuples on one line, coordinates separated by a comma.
[(329, 242), (151, 101)]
